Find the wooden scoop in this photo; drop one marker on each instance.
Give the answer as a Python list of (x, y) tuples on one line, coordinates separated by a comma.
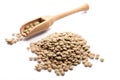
[(42, 24)]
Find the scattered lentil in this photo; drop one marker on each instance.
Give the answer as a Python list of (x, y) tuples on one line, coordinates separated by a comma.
[(16, 37), (101, 60), (31, 58), (28, 48), (97, 56)]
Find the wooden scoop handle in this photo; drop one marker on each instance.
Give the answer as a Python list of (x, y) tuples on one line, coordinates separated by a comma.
[(84, 7)]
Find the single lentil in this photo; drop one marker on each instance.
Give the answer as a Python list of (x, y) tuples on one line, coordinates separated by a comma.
[(101, 60)]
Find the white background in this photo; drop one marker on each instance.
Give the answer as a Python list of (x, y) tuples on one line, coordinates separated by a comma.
[(99, 26)]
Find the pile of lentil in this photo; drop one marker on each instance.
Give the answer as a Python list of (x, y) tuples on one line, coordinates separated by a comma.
[(61, 52)]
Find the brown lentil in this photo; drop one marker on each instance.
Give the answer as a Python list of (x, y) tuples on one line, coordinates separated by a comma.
[(97, 56), (70, 67), (29, 27), (61, 52), (101, 60), (31, 58), (49, 69), (16, 38), (62, 73), (28, 48)]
